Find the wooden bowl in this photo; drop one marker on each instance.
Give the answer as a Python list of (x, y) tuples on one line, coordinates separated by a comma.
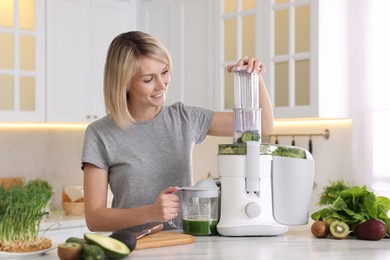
[(9, 182), (73, 208)]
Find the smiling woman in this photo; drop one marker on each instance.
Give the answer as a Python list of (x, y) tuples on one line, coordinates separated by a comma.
[(143, 148)]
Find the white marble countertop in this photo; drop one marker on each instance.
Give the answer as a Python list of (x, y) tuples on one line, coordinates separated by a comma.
[(62, 221), (297, 243)]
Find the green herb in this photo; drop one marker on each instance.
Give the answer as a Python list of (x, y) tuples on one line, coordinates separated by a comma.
[(22, 209), (332, 192), (355, 205)]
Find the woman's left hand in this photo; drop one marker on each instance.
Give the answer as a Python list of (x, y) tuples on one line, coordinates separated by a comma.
[(254, 65)]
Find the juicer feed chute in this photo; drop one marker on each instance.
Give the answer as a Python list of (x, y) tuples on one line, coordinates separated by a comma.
[(247, 115)]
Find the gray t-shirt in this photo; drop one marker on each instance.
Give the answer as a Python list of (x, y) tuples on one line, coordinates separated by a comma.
[(148, 157)]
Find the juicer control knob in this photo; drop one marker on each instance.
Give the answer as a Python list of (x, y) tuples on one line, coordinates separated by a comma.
[(252, 209)]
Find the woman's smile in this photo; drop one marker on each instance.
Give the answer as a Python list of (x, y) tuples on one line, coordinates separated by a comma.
[(159, 95)]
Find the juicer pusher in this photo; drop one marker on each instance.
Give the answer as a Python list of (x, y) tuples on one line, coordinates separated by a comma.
[(247, 114)]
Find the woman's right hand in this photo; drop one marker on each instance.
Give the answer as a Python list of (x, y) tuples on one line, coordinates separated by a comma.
[(254, 65), (167, 205)]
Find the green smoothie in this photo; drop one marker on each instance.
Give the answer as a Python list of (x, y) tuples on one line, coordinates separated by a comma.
[(200, 227)]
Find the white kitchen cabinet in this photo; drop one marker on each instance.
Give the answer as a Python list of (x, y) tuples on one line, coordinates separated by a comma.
[(78, 35), (22, 68), (186, 28), (308, 81)]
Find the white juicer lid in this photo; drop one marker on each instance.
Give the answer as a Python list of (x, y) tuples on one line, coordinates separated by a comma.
[(203, 189)]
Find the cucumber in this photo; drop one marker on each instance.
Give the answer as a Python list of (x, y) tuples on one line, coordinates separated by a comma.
[(112, 247), (76, 240), (255, 136), (250, 136), (247, 136), (92, 252)]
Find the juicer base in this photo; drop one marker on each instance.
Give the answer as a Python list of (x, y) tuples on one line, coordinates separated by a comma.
[(252, 230)]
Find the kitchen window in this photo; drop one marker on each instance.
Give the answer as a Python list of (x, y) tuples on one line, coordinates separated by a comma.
[(239, 30), (370, 93), (22, 47)]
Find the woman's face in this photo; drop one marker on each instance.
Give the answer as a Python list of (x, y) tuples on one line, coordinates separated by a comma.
[(149, 84)]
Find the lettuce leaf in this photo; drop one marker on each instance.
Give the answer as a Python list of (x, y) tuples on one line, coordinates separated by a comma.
[(355, 205)]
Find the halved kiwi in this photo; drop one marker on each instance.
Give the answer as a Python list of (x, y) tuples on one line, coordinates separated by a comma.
[(339, 229)]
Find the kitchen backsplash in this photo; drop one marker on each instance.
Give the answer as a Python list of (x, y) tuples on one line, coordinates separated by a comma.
[(39, 151), (53, 153)]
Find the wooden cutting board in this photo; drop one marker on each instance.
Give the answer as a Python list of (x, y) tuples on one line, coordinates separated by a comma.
[(163, 238)]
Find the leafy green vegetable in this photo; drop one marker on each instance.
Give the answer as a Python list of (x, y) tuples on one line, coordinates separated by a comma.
[(332, 192), (291, 152), (355, 205)]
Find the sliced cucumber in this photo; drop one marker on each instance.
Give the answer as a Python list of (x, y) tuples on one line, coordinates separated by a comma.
[(255, 136), (247, 136), (112, 247), (250, 136)]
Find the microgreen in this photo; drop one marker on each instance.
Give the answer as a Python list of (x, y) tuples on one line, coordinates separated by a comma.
[(22, 209)]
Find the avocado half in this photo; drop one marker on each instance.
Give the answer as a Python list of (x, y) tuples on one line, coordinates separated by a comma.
[(112, 247)]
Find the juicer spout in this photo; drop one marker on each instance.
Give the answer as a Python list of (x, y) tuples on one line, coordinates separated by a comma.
[(253, 168)]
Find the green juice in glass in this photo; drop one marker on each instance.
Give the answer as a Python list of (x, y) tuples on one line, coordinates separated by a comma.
[(200, 227)]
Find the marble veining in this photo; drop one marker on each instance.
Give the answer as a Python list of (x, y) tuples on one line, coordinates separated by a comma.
[(297, 243)]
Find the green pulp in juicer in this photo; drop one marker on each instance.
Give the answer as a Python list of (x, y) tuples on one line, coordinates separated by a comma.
[(200, 227), (265, 149)]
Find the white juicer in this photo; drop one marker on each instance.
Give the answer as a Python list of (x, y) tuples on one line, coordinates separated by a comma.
[(264, 188)]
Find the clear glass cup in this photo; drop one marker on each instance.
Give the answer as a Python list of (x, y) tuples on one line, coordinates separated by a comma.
[(199, 209)]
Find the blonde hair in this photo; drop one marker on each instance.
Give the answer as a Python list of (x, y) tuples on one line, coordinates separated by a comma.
[(122, 63)]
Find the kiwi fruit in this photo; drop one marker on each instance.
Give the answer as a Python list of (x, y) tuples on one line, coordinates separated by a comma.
[(69, 251), (320, 229), (339, 229)]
